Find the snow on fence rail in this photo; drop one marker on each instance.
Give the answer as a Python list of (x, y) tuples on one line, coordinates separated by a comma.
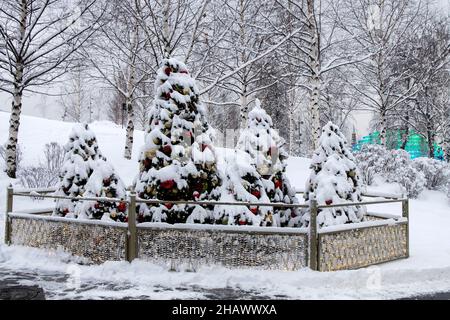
[(381, 239)]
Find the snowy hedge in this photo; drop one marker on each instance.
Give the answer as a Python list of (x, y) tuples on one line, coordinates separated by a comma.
[(396, 166), (437, 173)]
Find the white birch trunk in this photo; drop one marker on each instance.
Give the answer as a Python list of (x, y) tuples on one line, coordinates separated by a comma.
[(315, 79), (129, 98), (244, 108), (16, 109), (166, 28)]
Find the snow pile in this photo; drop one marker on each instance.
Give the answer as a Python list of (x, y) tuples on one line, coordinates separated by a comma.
[(266, 148), (334, 179), (178, 160)]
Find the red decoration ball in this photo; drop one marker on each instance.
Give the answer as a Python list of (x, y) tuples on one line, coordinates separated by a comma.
[(329, 202), (169, 184), (256, 193), (242, 223), (122, 207), (169, 205), (167, 149), (167, 71), (254, 210), (147, 164), (278, 184), (107, 182)]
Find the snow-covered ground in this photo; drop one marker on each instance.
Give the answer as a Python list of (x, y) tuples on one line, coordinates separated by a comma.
[(428, 269)]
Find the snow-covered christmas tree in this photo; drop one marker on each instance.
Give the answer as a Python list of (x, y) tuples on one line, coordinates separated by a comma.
[(265, 146), (178, 161), (243, 183), (104, 183), (82, 152), (335, 179)]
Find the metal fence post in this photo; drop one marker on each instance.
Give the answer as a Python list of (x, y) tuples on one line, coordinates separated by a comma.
[(405, 214), (9, 209), (132, 230), (313, 241)]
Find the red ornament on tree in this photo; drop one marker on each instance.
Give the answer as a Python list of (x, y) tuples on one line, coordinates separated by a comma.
[(196, 195), (169, 184), (167, 149), (169, 205), (107, 182), (167, 71), (167, 95), (147, 163), (256, 193), (122, 207), (329, 202), (242, 223), (278, 184), (254, 210)]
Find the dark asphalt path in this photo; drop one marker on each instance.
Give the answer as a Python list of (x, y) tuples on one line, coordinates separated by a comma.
[(32, 285), (28, 285)]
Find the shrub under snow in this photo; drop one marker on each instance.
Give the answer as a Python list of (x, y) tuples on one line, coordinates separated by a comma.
[(400, 169), (371, 160), (396, 166), (437, 173), (44, 175)]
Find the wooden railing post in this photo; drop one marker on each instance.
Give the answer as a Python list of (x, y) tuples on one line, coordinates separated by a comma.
[(405, 214), (313, 239), (9, 209), (132, 230)]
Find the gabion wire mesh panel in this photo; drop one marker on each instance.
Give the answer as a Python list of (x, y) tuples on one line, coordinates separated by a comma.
[(98, 243), (359, 248), (191, 249)]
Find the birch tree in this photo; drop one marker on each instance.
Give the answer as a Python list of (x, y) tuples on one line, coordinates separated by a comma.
[(37, 39), (380, 28), (323, 49)]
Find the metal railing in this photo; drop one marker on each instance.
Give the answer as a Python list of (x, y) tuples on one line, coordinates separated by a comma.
[(132, 201)]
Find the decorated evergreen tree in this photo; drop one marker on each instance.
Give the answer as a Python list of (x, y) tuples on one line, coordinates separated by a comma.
[(243, 183), (263, 143), (104, 183), (79, 162), (178, 161), (335, 179)]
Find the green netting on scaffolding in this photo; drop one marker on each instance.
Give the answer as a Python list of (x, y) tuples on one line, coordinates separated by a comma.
[(416, 144)]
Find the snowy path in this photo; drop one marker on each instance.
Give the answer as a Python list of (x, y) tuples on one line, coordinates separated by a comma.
[(59, 286)]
